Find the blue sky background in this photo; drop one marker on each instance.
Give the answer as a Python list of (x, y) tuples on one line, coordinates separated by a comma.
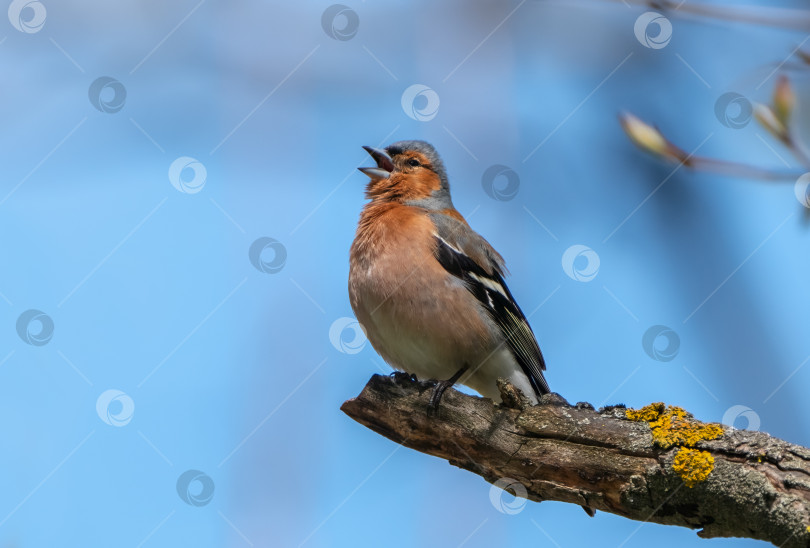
[(220, 367)]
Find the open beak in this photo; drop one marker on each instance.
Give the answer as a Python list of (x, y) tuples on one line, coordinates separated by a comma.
[(384, 164)]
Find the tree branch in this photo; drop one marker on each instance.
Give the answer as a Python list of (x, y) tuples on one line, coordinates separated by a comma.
[(743, 484), (791, 19)]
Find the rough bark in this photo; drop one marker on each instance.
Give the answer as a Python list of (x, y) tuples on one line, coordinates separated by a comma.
[(759, 486)]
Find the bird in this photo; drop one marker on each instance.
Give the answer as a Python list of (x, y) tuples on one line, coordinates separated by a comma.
[(429, 291)]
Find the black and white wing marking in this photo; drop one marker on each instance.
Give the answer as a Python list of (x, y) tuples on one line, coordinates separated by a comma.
[(492, 293)]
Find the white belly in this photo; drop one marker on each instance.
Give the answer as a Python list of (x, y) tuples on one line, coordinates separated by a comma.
[(427, 355)]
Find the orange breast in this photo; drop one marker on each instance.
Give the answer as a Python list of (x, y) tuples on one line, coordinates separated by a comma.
[(404, 297)]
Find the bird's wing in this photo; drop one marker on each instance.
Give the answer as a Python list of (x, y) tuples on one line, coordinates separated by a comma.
[(461, 252)]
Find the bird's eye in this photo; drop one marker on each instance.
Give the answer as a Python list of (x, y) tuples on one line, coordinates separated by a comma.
[(413, 162)]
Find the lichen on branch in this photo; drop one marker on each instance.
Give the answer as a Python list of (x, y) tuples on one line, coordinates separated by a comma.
[(672, 426), (633, 463)]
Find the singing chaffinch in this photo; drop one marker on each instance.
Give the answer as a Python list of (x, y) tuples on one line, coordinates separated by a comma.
[(428, 290)]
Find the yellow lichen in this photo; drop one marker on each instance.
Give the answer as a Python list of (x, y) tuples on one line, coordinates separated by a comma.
[(672, 426), (647, 413), (693, 465)]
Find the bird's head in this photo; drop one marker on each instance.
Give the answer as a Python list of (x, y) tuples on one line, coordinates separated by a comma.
[(410, 172)]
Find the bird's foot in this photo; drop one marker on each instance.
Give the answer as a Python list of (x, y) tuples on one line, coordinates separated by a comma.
[(404, 377), (439, 389)]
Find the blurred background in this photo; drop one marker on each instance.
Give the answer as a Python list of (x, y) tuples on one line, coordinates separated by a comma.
[(178, 198)]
